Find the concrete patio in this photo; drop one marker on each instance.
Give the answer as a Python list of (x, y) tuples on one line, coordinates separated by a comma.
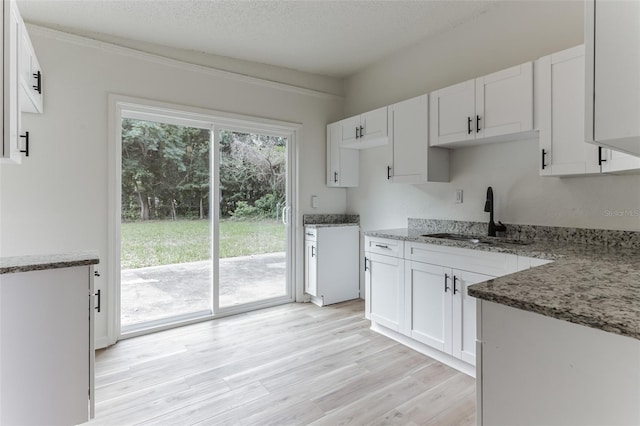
[(156, 292)]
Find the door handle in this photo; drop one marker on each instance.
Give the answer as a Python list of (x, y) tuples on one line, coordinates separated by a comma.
[(285, 215)]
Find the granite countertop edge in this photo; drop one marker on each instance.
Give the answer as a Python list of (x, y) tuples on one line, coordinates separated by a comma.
[(587, 285), (329, 225), (15, 264)]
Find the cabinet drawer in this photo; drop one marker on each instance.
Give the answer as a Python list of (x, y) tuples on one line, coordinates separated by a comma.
[(482, 262), (384, 246), (310, 234)]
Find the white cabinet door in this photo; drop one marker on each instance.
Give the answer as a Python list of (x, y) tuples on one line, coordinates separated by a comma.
[(45, 357), (12, 144), (412, 160), (428, 296), (504, 102), (560, 111), (350, 129), (452, 112), (384, 280), (374, 124), (464, 315), (343, 165), (612, 39), (311, 268), (30, 76)]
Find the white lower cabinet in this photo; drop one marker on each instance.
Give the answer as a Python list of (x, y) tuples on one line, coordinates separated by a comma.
[(46, 346), (384, 281), (439, 311), (417, 294), (332, 272)]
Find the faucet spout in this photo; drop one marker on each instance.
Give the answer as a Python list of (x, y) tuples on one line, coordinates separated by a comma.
[(488, 207)]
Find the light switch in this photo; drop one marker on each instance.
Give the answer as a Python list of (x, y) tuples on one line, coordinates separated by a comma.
[(314, 201), (458, 196)]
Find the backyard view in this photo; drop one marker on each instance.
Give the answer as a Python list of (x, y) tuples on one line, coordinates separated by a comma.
[(167, 228)]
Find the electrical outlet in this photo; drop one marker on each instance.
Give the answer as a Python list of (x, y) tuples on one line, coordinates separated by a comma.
[(458, 196), (314, 201)]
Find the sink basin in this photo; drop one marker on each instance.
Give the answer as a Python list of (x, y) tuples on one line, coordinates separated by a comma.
[(476, 239)]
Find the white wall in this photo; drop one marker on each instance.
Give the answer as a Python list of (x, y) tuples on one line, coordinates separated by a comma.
[(509, 34), (57, 199)]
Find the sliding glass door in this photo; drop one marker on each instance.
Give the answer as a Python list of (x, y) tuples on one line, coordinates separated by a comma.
[(252, 235), (166, 230), (203, 224)]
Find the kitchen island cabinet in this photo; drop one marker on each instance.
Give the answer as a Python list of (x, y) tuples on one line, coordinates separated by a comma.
[(46, 339), (537, 370)]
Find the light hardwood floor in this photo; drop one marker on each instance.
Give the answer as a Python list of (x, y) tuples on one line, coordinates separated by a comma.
[(295, 364)]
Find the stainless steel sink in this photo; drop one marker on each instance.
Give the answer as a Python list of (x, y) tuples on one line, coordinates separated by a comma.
[(477, 239)]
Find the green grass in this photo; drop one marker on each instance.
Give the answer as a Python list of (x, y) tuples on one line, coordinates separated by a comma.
[(153, 243)]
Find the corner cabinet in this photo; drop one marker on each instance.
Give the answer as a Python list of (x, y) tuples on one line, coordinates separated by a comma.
[(46, 346), (412, 160), (486, 109), (560, 103), (343, 165), (22, 83), (612, 41)]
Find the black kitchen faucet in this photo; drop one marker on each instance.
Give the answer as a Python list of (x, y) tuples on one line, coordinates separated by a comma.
[(488, 207)]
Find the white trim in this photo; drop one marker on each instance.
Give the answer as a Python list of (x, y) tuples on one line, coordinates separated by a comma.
[(123, 106), (444, 358), (175, 63)]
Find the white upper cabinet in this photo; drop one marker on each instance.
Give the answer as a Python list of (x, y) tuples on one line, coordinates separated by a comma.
[(11, 33), (452, 114), (342, 164), (22, 83), (30, 76), (612, 40), (365, 130), (411, 158), (560, 100), (495, 107)]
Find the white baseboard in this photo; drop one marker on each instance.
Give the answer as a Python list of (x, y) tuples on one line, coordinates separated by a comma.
[(444, 358)]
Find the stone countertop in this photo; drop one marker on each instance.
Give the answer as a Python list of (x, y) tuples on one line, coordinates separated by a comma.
[(9, 265), (593, 285), (329, 225)]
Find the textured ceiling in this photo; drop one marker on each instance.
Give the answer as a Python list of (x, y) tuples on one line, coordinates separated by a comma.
[(335, 38)]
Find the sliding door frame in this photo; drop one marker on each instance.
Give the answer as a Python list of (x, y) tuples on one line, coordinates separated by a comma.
[(137, 108)]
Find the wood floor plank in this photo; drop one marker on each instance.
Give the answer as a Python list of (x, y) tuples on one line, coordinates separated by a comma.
[(294, 364)]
